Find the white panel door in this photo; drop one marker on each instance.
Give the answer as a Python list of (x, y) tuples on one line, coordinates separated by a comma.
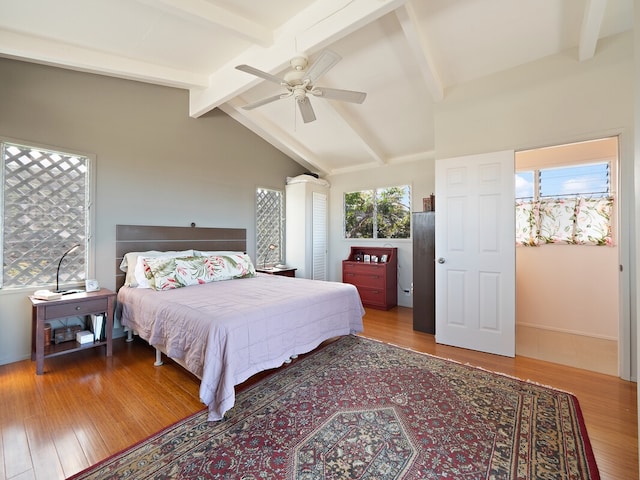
[(475, 252), (319, 238)]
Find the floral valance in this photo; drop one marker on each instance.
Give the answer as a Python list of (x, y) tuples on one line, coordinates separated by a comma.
[(579, 220)]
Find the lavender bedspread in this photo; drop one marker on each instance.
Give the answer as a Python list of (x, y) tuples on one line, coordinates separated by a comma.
[(225, 332)]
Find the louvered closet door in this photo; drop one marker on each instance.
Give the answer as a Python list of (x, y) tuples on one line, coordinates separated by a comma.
[(319, 238)]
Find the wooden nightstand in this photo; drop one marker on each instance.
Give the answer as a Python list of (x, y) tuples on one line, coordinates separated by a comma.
[(285, 272), (72, 305)]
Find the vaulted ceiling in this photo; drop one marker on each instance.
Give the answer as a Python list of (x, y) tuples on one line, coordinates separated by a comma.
[(405, 54)]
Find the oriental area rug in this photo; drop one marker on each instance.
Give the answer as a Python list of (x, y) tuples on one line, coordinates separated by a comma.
[(361, 409)]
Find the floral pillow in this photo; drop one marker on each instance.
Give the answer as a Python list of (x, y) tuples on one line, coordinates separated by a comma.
[(227, 267), (593, 221), (557, 220), (170, 273), (527, 219)]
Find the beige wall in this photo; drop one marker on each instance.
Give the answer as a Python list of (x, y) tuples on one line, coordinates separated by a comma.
[(155, 164), (549, 102)]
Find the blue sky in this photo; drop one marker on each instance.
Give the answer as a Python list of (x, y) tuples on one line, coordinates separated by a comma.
[(579, 180)]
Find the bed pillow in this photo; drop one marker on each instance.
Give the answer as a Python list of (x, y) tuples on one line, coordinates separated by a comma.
[(215, 253), (131, 260), (227, 267), (168, 273)]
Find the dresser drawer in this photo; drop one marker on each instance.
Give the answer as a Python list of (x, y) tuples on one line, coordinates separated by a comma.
[(370, 279), (372, 296), (76, 308), (361, 268)]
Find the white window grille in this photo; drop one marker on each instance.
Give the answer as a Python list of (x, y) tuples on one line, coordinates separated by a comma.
[(45, 208), (269, 227)]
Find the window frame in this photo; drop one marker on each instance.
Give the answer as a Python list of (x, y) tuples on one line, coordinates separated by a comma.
[(375, 195), (537, 179), (547, 213), (276, 258), (90, 215)]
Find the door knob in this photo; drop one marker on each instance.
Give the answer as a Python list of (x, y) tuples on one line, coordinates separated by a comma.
[(441, 260)]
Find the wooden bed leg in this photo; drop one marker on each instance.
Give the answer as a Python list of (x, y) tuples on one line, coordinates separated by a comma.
[(158, 361), (129, 336)]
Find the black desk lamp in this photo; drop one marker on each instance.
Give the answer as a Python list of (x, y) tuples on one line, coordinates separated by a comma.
[(72, 249)]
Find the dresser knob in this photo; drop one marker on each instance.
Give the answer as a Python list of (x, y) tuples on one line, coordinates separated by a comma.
[(77, 308)]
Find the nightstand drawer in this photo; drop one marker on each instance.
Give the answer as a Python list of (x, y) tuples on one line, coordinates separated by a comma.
[(98, 305)]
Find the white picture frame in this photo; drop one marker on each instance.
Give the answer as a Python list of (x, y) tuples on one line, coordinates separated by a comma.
[(367, 258)]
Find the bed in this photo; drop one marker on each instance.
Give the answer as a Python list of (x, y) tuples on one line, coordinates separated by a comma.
[(226, 331)]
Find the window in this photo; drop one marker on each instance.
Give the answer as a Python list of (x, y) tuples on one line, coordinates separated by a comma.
[(269, 227), (378, 213), (589, 180), (567, 204), (45, 208)]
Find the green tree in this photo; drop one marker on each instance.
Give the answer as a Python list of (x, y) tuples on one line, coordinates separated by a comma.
[(359, 208), (393, 213), (381, 213)]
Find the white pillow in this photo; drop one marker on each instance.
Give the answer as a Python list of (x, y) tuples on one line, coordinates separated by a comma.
[(131, 259), (215, 253)]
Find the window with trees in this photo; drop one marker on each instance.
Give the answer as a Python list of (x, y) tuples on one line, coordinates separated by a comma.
[(46, 202), (383, 213)]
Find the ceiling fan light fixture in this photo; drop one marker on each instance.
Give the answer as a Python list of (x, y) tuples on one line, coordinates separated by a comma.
[(299, 63), (294, 77), (300, 94)]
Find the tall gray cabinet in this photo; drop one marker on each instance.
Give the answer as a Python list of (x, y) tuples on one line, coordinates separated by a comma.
[(424, 272)]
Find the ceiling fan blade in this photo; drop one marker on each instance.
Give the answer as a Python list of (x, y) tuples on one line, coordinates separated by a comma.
[(338, 94), (325, 62), (264, 101), (306, 110), (259, 73)]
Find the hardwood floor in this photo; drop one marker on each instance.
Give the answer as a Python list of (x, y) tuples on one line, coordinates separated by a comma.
[(87, 407)]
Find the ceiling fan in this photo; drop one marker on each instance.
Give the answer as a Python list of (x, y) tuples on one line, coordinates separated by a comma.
[(300, 82)]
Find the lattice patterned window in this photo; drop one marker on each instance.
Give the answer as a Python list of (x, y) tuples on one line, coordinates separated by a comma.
[(269, 227), (45, 210)]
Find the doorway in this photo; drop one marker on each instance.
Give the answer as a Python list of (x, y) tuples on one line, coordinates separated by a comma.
[(568, 287)]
